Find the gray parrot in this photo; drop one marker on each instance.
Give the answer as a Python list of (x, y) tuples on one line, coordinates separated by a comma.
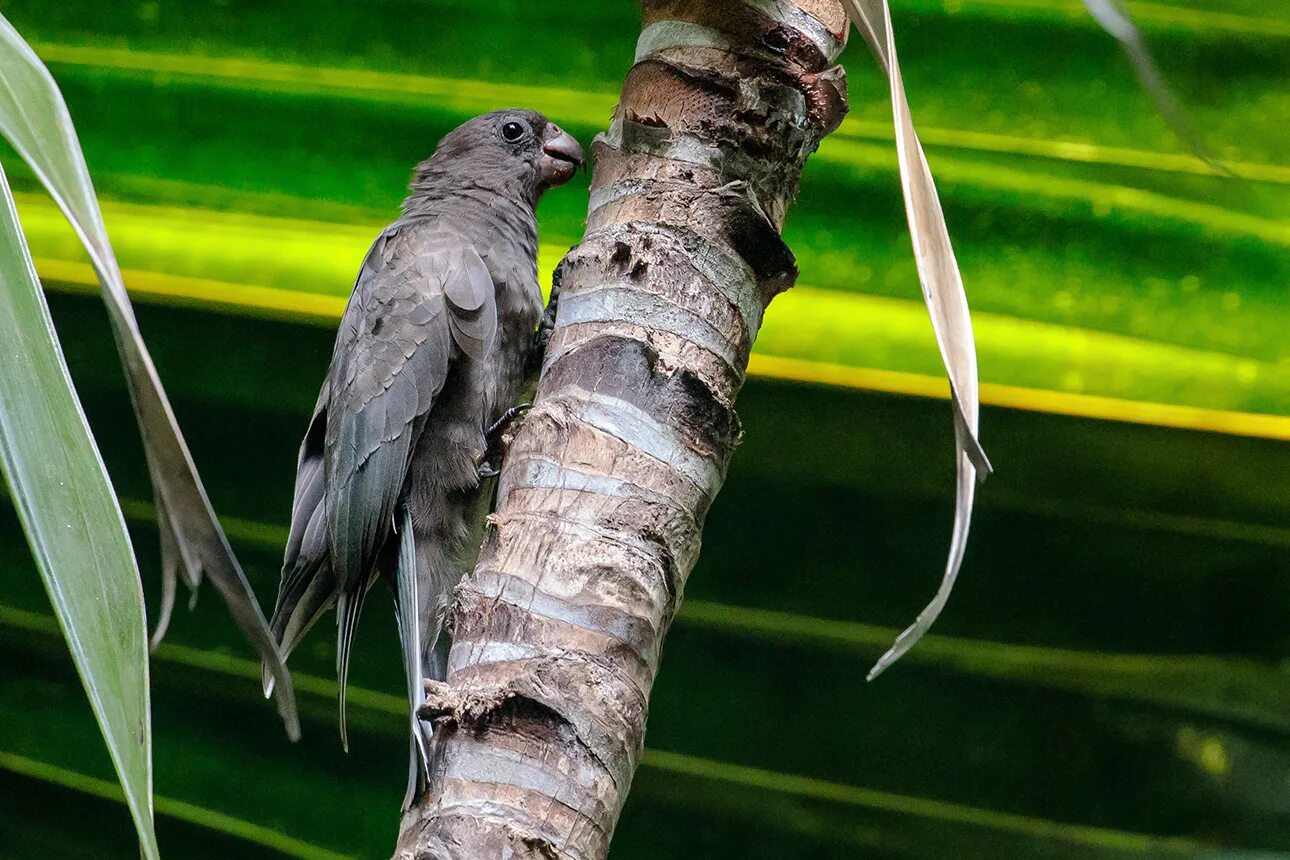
[(439, 339)]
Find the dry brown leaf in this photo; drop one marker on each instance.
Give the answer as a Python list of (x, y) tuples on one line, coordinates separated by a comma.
[(943, 291)]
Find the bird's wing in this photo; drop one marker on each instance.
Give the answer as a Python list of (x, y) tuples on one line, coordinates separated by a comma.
[(307, 588), (423, 299), (307, 501)]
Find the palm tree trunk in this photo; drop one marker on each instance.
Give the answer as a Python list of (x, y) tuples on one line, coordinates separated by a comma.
[(557, 635)]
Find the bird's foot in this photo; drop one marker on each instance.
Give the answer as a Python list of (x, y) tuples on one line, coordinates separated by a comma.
[(497, 439), (542, 337)]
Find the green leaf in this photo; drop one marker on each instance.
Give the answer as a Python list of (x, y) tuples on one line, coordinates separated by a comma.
[(35, 120), (1093, 268), (247, 834), (72, 521), (799, 810)]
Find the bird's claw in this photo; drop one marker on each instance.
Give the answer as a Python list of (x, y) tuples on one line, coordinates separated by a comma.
[(496, 441)]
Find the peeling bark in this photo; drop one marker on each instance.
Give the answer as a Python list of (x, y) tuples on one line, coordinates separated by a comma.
[(557, 635)]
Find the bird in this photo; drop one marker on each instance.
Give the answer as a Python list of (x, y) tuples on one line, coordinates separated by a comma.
[(441, 336)]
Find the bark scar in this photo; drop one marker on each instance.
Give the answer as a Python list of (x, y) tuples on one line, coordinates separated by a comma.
[(446, 705), (480, 708)]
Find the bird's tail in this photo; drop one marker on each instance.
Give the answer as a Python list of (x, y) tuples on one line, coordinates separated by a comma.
[(305, 594), (406, 607), (349, 606)]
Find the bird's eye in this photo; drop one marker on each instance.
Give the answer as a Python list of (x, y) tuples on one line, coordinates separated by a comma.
[(512, 132)]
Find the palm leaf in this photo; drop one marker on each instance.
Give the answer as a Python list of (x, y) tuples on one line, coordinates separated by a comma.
[(35, 120), (72, 521), (249, 835), (938, 272), (1113, 18)]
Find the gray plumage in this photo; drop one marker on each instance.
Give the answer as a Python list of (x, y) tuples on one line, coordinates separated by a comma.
[(433, 347)]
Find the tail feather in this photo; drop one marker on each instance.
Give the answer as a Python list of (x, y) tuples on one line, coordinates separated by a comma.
[(295, 615), (406, 606), (348, 608)]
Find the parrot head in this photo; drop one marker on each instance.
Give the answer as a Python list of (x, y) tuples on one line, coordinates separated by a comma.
[(506, 148)]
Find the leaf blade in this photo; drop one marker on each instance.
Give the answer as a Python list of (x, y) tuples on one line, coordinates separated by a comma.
[(1115, 20), (946, 305), (59, 482), (35, 120)]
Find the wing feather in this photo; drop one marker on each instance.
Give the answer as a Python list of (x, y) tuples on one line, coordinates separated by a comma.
[(470, 295)]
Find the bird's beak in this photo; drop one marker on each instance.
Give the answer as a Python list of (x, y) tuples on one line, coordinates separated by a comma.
[(561, 156)]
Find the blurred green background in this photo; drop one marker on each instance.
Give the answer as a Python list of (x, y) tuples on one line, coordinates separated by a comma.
[(1112, 676)]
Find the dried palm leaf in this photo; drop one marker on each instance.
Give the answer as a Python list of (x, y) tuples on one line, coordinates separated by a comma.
[(946, 300)]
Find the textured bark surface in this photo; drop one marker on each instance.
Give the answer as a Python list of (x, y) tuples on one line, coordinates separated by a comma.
[(558, 633)]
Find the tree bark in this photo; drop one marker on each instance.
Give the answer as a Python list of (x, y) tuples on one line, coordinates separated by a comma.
[(558, 633)]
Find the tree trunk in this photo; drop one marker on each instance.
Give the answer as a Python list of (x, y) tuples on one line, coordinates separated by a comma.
[(557, 635)]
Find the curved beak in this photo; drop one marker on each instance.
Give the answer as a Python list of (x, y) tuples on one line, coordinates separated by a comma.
[(560, 158)]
